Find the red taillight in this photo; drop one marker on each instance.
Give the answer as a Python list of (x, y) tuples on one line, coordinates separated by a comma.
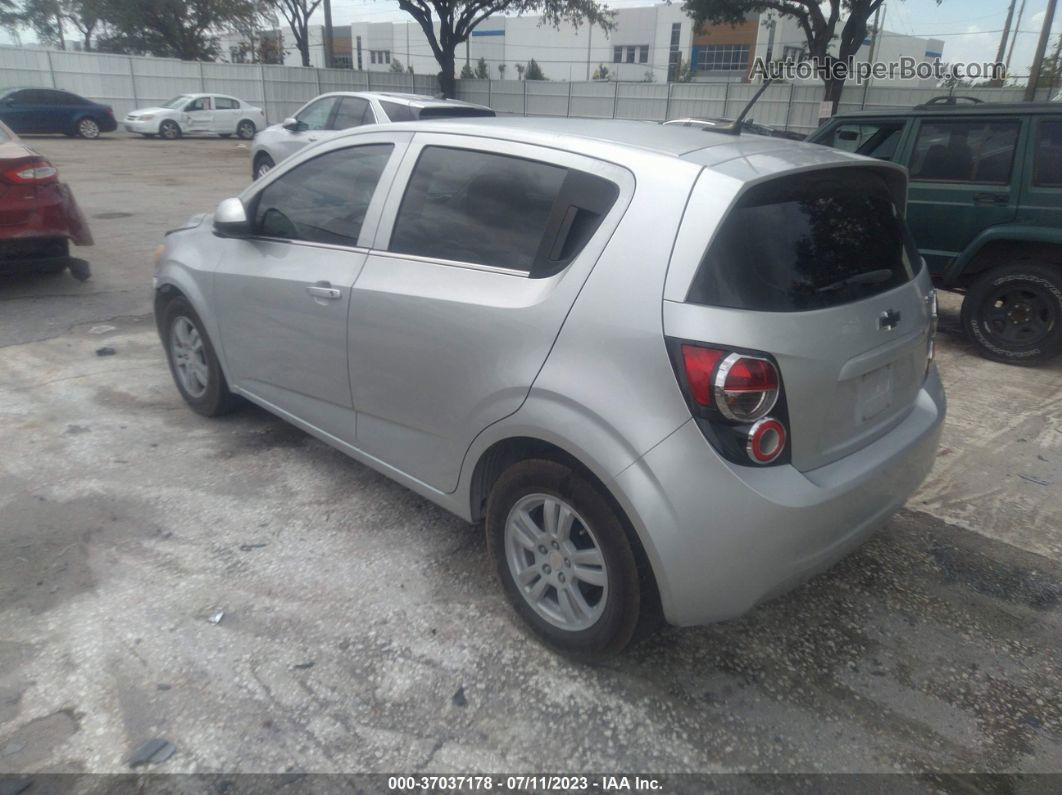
[(32, 172), (766, 441), (700, 365), (746, 387)]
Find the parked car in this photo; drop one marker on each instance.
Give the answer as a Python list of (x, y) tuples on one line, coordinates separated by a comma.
[(747, 126), (985, 210), (342, 110), (216, 114), (38, 215), (666, 368), (49, 110)]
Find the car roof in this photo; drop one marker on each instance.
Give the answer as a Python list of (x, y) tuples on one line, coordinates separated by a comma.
[(958, 109), (413, 100), (589, 136)]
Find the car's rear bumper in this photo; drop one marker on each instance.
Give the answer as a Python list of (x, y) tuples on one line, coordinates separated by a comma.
[(107, 124), (32, 216), (723, 538)]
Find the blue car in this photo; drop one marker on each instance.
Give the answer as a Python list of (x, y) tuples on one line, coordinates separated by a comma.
[(48, 110)]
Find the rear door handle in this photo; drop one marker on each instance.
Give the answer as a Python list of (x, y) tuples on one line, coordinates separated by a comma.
[(324, 290), (991, 198)]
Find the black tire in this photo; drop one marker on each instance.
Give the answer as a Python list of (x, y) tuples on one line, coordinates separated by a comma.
[(217, 399), (87, 127), (1013, 314), (246, 129), (262, 164), (618, 623), (170, 130)]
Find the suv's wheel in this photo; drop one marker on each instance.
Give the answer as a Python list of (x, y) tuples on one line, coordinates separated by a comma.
[(1014, 313), (169, 130), (564, 559), (245, 129), (88, 128), (263, 164), (193, 362)]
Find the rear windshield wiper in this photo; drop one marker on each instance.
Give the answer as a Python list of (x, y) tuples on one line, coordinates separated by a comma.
[(870, 277)]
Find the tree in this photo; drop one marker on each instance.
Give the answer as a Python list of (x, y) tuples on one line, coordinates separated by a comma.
[(448, 23), (481, 69), (534, 71), (501, 71), (818, 19), (45, 18), (467, 73), (297, 14), (396, 66), (601, 73), (170, 28), (520, 68)]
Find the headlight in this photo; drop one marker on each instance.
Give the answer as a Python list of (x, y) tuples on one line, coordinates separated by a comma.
[(148, 117)]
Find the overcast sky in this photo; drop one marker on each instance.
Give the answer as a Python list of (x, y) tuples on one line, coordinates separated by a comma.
[(970, 28)]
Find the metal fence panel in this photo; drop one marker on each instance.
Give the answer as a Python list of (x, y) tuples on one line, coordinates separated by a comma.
[(641, 101), (236, 80), (477, 91), (594, 100), (546, 98), (506, 96), (28, 68)]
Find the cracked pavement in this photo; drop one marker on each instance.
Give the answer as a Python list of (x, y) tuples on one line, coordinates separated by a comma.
[(353, 610)]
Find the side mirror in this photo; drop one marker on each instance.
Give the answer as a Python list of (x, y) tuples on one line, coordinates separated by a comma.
[(230, 219), (293, 124)]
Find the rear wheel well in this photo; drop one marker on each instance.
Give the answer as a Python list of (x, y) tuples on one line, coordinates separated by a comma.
[(1009, 252), (503, 454)]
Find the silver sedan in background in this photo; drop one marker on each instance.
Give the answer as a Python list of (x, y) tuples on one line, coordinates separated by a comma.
[(341, 110)]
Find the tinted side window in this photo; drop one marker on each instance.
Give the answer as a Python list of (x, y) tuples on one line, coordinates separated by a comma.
[(352, 112), (397, 112), (225, 103), (315, 116), (965, 151), (1048, 167), (476, 207), (807, 242), (323, 200)]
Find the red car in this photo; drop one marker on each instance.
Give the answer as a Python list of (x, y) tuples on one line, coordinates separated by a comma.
[(38, 215)]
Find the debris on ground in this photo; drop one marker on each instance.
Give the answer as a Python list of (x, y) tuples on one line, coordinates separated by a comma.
[(215, 618), (106, 350), (459, 697), (303, 666), (1036, 480), (102, 329), (153, 751), (249, 547)]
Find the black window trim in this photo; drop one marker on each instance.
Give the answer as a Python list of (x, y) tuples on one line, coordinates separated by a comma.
[(251, 206), (555, 223), (1034, 181)]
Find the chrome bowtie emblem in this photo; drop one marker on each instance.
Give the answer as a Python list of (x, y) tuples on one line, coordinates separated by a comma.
[(888, 320)]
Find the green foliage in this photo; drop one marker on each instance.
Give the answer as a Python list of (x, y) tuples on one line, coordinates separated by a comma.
[(534, 71), (396, 66), (170, 28), (501, 71), (601, 73), (467, 73), (481, 70)]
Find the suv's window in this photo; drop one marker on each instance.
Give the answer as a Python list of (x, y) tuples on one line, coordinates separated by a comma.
[(971, 150), (476, 207), (323, 200), (315, 116), (397, 112), (877, 139), (807, 242), (353, 112), (225, 103), (1048, 168)]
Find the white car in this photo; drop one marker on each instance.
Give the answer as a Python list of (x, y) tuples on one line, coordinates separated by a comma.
[(324, 116), (197, 113)]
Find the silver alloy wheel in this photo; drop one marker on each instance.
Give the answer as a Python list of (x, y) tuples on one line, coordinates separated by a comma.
[(169, 130), (556, 562), (189, 356), (245, 130), (87, 128), (265, 165)]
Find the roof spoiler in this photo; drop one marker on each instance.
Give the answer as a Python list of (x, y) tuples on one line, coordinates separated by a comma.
[(734, 128)]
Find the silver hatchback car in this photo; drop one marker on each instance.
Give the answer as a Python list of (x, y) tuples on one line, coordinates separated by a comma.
[(675, 373)]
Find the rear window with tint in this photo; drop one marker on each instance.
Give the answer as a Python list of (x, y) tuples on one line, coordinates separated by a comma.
[(807, 242), (397, 112)]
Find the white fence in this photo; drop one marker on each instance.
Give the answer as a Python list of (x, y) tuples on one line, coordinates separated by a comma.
[(128, 82), (788, 106)]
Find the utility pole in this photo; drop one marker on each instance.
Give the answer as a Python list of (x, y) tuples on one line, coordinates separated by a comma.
[(329, 51), (877, 34), (1014, 38), (1006, 33), (1041, 48)]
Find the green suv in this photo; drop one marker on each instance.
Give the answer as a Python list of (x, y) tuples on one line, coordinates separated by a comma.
[(985, 208)]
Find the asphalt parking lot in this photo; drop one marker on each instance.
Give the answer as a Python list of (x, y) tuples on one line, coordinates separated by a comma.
[(354, 611)]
